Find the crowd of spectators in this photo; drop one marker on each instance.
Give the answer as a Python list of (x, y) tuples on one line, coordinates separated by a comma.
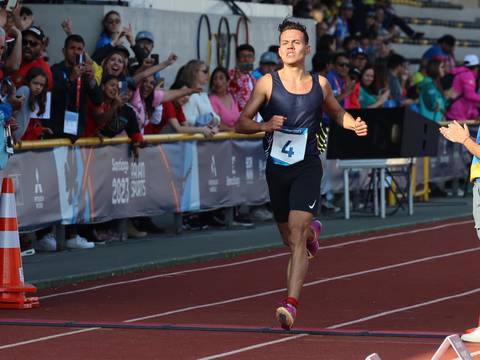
[(118, 88)]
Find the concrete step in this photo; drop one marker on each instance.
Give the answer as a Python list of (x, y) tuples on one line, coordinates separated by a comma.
[(437, 31), (430, 41), (416, 51), (428, 4), (443, 23), (470, 14)]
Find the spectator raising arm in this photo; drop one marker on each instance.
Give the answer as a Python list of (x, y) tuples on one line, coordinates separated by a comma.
[(13, 62), (147, 69)]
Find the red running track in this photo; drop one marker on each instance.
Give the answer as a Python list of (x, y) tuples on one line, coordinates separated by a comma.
[(422, 279)]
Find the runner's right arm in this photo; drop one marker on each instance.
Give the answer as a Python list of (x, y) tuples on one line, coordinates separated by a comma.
[(260, 95)]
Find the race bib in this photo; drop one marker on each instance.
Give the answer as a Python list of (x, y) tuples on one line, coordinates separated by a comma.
[(288, 146)]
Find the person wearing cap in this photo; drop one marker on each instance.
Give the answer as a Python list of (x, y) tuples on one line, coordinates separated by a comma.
[(144, 42), (358, 58), (445, 47), (465, 106), (268, 63), (33, 43), (341, 25)]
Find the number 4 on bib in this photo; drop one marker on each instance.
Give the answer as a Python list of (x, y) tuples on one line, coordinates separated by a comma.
[(289, 145), (289, 152)]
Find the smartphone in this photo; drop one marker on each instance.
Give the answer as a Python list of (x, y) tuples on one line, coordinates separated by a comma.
[(80, 59), (122, 88), (9, 140), (11, 5), (155, 58)]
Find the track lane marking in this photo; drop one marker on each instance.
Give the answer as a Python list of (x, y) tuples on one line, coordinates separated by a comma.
[(200, 269), (360, 273)]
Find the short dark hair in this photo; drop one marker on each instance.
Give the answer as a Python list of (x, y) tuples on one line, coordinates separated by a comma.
[(395, 60), (26, 11), (244, 47), (339, 55), (320, 61), (73, 38), (107, 77), (273, 48), (293, 25), (447, 39)]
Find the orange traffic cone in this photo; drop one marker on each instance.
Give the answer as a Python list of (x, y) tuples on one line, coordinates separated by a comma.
[(12, 287)]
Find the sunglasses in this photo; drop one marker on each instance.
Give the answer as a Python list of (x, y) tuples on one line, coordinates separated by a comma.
[(29, 43), (343, 64)]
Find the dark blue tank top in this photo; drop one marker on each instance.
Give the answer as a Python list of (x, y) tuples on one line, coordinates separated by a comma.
[(301, 111)]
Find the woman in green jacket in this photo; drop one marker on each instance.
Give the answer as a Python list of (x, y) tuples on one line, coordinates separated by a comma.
[(370, 98), (433, 101)]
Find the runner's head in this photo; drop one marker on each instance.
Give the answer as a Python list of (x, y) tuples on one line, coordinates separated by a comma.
[(293, 42)]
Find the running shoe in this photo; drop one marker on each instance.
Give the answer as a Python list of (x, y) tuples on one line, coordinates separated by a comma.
[(312, 243), (286, 315), (473, 336)]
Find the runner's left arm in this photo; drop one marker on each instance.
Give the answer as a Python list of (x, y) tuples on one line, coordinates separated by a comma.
[(338, 114)]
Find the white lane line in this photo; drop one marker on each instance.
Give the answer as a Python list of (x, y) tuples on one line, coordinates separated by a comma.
[(152, 277), (253, 347), (350, 275), (26, 342), (382, 314), (405, 308), (430, 258)]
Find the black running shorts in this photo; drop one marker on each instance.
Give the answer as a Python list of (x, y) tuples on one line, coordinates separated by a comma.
[(294, 187)]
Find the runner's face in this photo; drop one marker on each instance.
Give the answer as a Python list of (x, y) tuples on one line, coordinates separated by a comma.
[(292, 47)]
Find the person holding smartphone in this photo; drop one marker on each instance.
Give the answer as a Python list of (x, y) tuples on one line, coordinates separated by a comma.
[(74, 83)]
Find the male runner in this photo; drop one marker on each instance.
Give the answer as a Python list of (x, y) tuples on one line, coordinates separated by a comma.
[(291, 103), (460, 134)]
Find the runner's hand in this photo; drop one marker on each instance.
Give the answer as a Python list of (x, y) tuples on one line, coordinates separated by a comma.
[(360, 127), (275, 123)]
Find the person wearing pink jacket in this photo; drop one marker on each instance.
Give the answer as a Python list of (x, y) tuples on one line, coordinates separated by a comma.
[(465, 105)]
